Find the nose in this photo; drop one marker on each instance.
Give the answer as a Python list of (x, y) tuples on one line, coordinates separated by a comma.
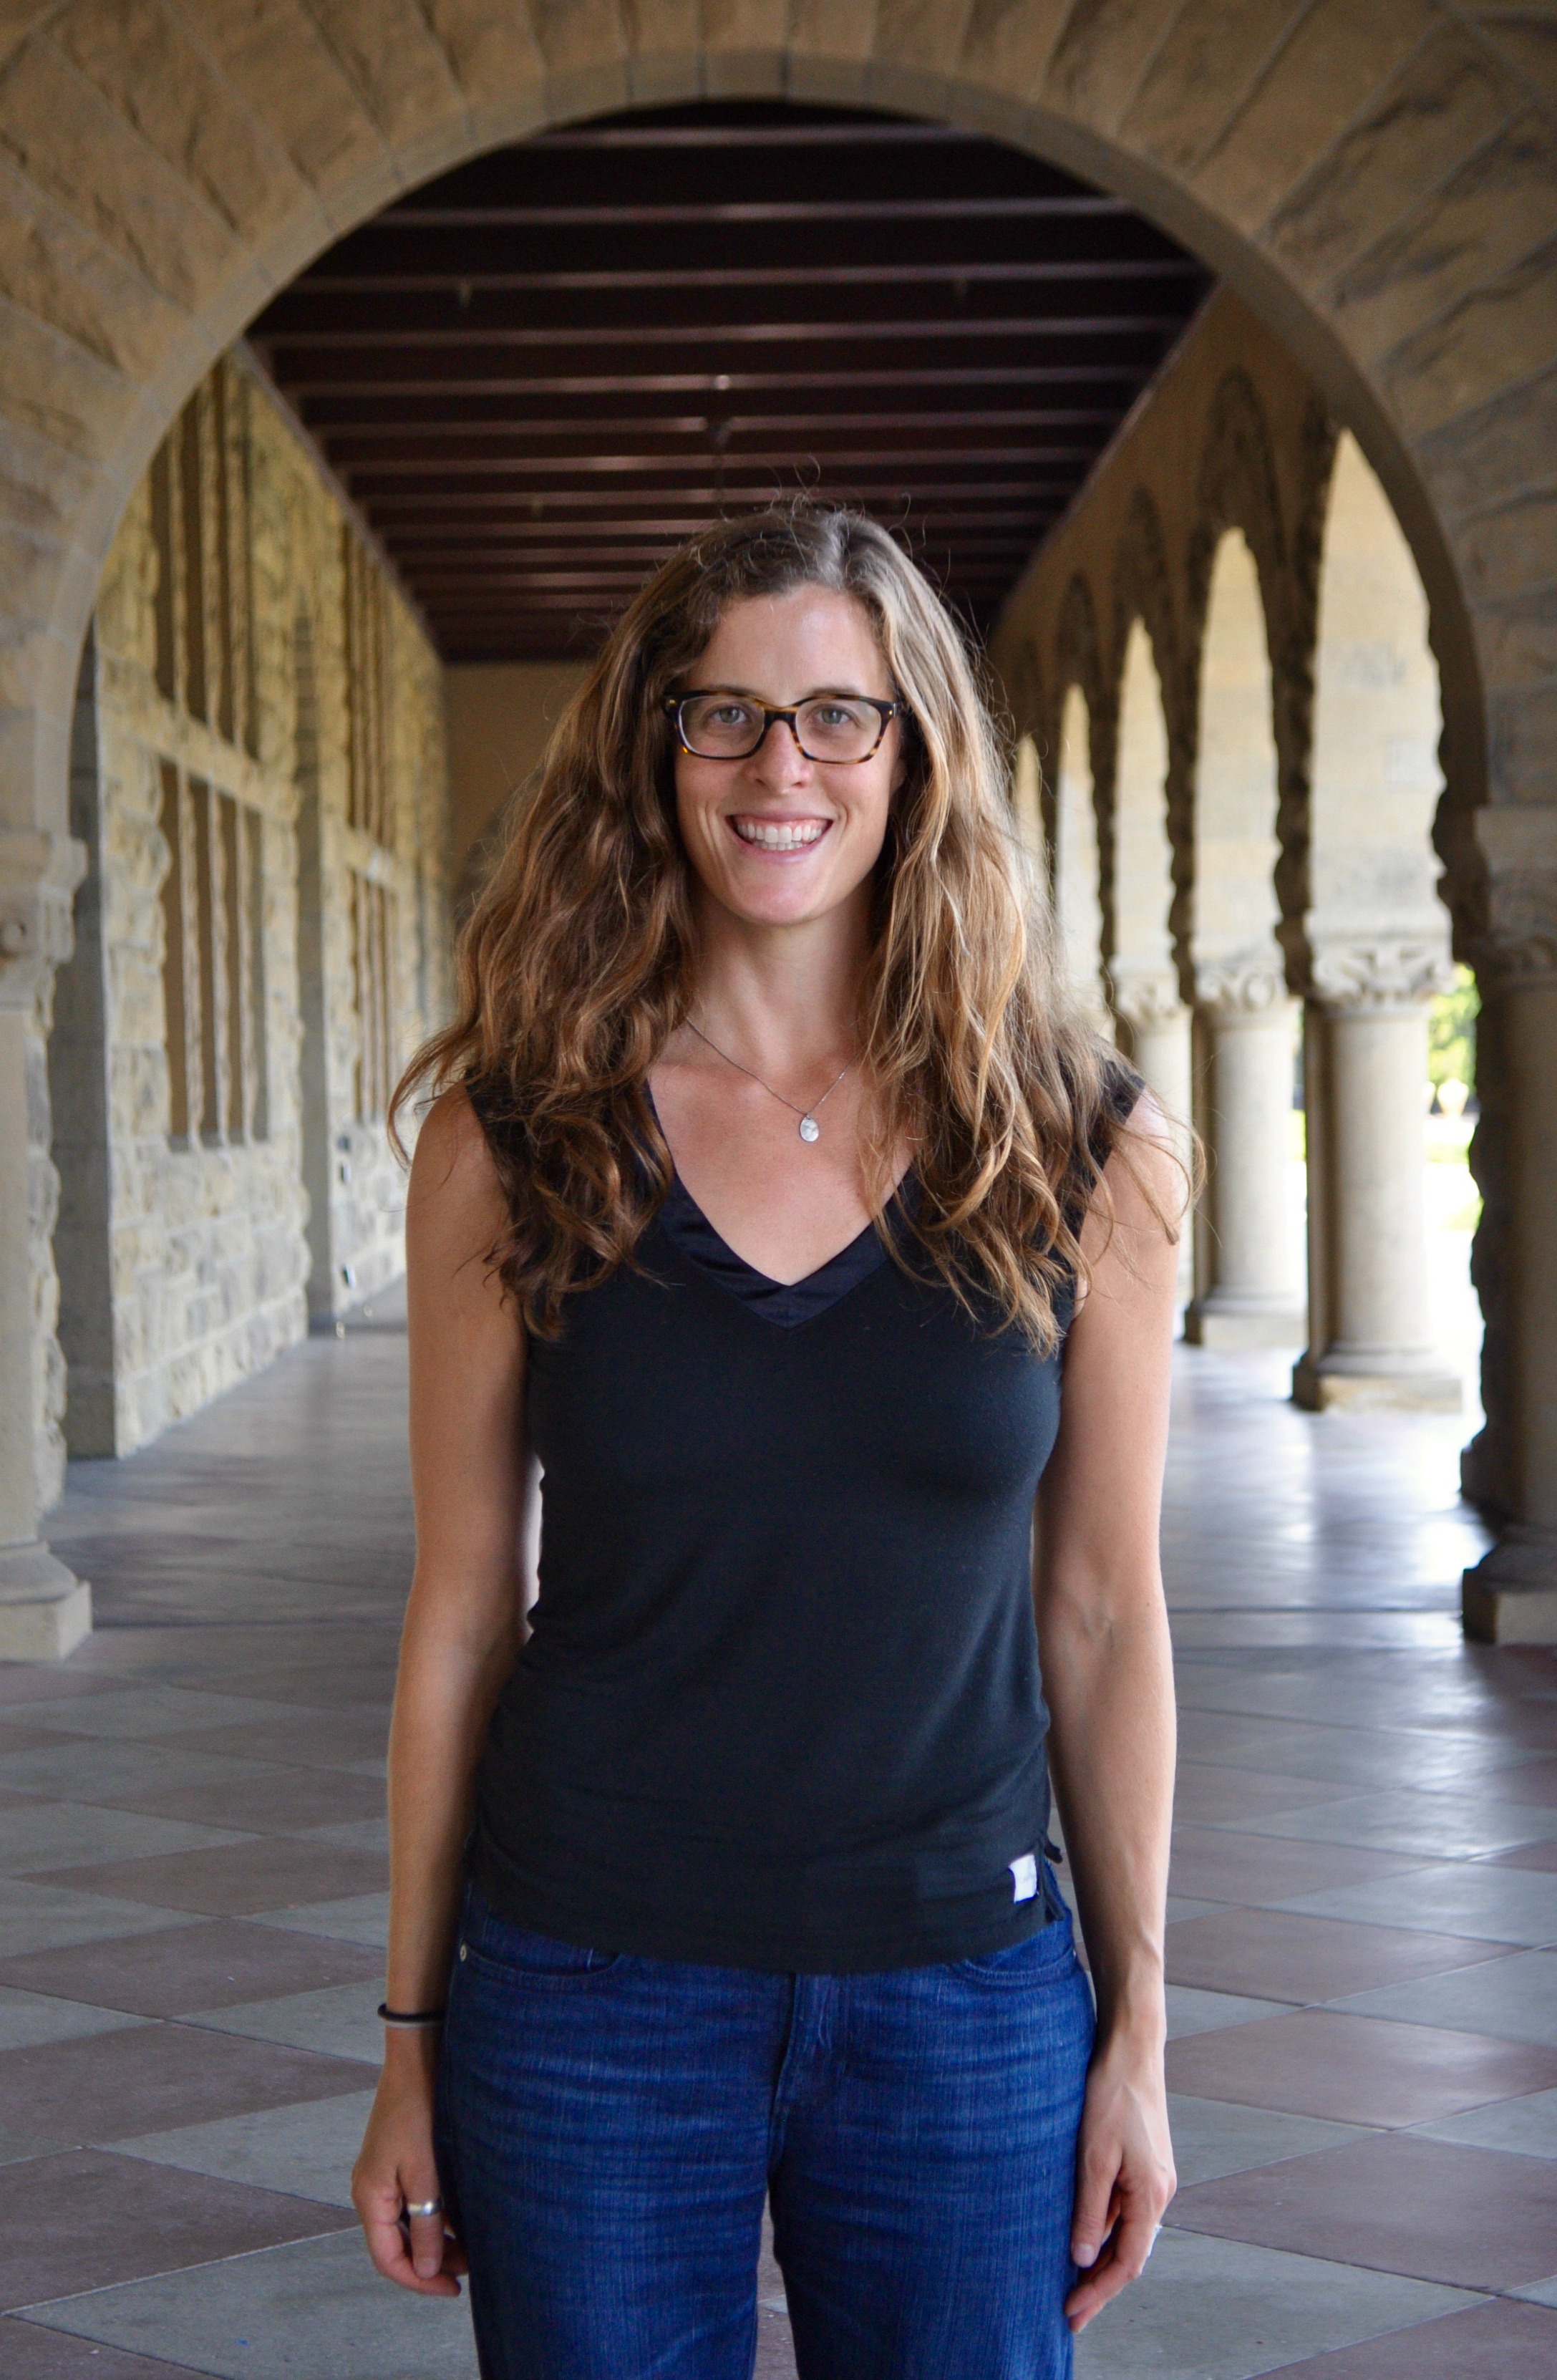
[(778, 758)]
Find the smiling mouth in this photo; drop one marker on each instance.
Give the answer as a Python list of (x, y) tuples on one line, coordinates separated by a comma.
[(781, 834)]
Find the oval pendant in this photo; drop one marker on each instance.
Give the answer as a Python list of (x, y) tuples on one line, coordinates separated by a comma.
[(810, 1129)]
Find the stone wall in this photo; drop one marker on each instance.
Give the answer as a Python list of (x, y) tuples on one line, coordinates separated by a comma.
[(259, 778), (500, 718)]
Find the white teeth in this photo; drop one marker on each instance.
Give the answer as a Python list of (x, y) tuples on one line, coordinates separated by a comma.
[(779, 837)]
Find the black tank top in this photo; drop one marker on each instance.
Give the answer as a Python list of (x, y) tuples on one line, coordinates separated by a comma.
[(780, 1706)]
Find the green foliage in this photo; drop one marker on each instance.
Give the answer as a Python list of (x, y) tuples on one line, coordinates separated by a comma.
[(1452, 1032)]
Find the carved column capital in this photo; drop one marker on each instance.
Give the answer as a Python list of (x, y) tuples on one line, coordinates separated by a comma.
[(38, 875), (1146, 997), (1374, 974), (1242, 991)]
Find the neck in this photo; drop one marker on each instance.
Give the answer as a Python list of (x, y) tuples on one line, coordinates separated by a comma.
[(782, 997)]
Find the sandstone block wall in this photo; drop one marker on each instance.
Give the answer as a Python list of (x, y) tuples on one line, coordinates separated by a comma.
[(259, 777), (501, 716)]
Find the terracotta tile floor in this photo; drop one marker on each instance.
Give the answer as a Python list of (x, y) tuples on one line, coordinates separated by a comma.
[(1363, 1945)]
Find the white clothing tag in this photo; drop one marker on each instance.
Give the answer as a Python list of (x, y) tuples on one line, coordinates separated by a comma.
[(1024, 1876)]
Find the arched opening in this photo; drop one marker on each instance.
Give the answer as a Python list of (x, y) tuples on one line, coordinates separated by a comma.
[(1027, 799), (1439, 413), (1077, 871), (1247, 1292), (1142, 974), (355, 145)]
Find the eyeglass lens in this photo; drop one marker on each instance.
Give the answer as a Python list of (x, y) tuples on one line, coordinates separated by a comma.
[(726, 727)]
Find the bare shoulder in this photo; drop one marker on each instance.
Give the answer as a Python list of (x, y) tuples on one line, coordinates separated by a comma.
[(455, 1187), (451, 1139), (1146, 1174), (1130, 1237)]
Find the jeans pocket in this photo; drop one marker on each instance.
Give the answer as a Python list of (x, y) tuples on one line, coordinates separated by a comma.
[(1044, 1957), (490, 1944)]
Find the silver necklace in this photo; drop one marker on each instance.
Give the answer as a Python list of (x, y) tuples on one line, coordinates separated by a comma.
[(810, 1129)]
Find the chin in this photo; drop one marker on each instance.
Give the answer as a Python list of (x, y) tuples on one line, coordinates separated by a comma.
[(776, 913), (780, 904)]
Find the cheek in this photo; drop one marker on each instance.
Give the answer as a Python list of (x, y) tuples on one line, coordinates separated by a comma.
[(694, 808), (874, 816)]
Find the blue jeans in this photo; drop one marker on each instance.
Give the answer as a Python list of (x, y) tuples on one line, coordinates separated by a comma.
[(608, 2128)]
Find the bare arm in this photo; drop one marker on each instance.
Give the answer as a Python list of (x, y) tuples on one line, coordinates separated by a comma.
[(470, 1475), (1108, 1676)]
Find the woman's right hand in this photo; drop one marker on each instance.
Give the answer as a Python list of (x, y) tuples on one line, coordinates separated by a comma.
[(397, 2168)]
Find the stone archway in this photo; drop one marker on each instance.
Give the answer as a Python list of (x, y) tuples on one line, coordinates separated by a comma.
[(1077, 873), (1246, 1293), (1376, 182)]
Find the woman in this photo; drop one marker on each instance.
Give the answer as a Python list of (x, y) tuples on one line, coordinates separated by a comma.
[(766, 1184)]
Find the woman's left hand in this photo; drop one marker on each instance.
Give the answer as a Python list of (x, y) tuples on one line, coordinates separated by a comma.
[(1124, 2174)]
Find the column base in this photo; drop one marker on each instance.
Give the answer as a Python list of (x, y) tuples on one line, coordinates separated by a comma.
[(45, 1611), (1510, 1596), (1364, 1382), (1218, 1320)]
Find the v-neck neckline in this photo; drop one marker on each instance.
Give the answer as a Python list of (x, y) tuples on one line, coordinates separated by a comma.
[(786, 1303)]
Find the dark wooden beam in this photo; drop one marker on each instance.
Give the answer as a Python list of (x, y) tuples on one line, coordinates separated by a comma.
[(544, 372)]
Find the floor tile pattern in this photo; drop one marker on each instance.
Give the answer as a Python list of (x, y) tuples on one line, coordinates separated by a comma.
[(1362, 1945)]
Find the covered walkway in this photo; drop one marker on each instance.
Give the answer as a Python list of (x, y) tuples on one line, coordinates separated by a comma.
[(1363, 1947)]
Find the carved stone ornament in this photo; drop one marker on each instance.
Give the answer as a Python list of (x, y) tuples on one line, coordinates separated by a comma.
[(1393, 971), (1148, 998), (1233, 989), (38, 875)]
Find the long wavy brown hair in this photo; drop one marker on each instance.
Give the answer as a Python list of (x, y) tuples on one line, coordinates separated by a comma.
[(580, 960)]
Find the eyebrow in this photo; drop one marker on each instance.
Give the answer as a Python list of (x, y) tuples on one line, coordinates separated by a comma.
[(817, 694)]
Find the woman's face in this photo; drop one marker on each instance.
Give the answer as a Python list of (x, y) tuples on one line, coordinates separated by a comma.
[(775, 838)]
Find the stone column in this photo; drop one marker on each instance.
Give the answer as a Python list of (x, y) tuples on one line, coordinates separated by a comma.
[(1375, 949), (1157, 1033), (1510, 1597), (1250, 1297), (44, 1610), (1158, 1024), (1370, 1328)]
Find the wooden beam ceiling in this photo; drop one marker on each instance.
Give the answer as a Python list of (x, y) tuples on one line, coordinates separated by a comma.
[(540, 374)]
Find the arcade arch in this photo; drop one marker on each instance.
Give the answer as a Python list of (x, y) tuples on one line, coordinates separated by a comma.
[(1142, 976), (163, 183), (1248, 1295), (1077, 874)]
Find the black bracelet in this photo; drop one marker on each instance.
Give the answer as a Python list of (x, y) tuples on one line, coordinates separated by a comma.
[(409, 2016)]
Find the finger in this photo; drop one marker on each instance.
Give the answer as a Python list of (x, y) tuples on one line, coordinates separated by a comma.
[(381, 2212), (386, 2246), (1122, 2260), (1096, 2212), (1134, 2238), (427, 2244), (1093, 2290)]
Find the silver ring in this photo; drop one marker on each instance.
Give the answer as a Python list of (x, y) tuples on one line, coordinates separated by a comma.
[(427, 2207)]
